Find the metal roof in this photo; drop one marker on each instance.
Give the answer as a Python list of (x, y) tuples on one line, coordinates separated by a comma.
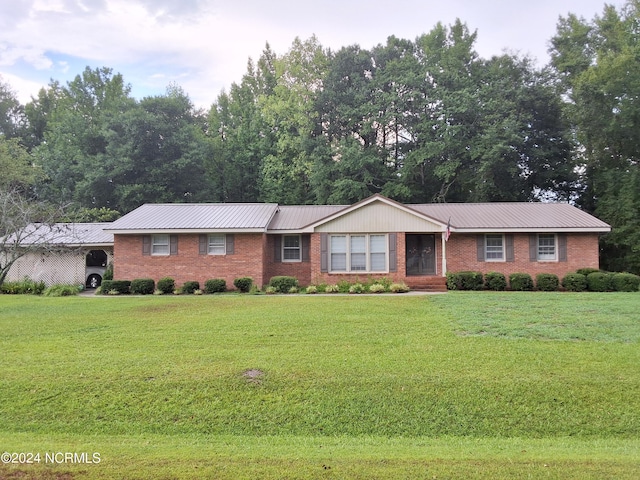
[(196, 217), (67, 234), (295, 217), (263, 217), (512, 216)]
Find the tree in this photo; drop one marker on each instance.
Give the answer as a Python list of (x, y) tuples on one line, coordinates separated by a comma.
[(18, 171), (75, 119), (25, 226), (11, 112), (153, 152), (597, 66)]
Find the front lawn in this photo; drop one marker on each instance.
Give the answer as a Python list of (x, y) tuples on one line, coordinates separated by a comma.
[(474, 385)]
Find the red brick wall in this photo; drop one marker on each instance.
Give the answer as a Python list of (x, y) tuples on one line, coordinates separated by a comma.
[(300, 270), (247, 260), (582, 252)]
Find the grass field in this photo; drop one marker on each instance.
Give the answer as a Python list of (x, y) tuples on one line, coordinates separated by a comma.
[(463, 385)]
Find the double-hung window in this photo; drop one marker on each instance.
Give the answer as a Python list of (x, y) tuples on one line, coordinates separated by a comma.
[(494, 248), (216, 244), (358, 253), (291, 248), (547, 247), (160, 244)]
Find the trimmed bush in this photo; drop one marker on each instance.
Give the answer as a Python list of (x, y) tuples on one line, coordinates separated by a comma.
[(215, 285), (121, 286), (464, 281), (243, 284), (283, 284), (399, 288), (377, 288), (600, 282), (190, 287), (143, 286), (626, 282), (587, 271), (495, 281), (166, 285), (574, 282), (520, 282), (547, 282)]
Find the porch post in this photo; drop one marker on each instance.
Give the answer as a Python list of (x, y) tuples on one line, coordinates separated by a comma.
[(444, 255)]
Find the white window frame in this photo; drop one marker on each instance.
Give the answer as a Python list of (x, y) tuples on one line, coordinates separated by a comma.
[(216, 248), (491, 250), (291, 249), (547, 257), (348, 255), (161, 244)]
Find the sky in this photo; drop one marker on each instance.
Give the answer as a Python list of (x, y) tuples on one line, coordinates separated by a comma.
[(204, 45)]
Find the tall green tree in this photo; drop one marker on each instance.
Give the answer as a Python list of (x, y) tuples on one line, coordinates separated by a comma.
[(154, 152), (74, 119), (290, 117), (597, 65)]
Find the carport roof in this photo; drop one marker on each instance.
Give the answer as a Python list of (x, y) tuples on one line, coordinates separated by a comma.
[(67, 234)]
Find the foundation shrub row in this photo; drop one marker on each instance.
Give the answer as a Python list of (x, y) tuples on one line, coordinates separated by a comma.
[(583, 280)]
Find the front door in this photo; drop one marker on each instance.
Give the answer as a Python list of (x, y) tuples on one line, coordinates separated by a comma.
[(421, 254)]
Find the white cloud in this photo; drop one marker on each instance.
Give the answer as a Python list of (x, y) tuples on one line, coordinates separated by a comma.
[(204, 45)]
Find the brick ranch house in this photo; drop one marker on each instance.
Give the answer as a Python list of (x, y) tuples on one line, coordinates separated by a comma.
[(377, 237)]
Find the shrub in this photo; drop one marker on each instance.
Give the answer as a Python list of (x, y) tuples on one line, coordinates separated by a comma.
[(332, 288), (243, 284), (464, 281), (575, 282), (215, 285), (343, 286), (61, 291), (587, 271), (283, 284), (600, 282), (270, 291), (143, 286), (356, 288), (293, 290), (190, 287), (166, 285), (120, 286), (25, 286), (547, 282), (521, 282), (495, 281), (312, 289), (377, 288), (399, 288), (626, 282), (108, 273), (198, 292)]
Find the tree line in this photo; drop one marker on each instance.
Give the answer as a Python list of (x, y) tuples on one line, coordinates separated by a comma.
[(422, 120)]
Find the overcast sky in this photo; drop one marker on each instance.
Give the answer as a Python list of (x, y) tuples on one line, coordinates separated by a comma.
[(204, 45)]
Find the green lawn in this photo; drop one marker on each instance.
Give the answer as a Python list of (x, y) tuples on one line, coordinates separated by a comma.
[(463, 385)]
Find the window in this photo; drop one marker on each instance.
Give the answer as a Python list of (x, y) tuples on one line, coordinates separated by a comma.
[(494, 248), (291, 249), (547, 247), (358, 253), (216, 245), (338, 253), (160, 244)]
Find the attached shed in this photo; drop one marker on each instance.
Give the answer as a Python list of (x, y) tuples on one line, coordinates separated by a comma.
[(78, 254)]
